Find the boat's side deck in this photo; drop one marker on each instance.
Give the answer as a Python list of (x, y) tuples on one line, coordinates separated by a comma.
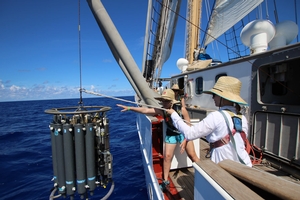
[(183, 179)]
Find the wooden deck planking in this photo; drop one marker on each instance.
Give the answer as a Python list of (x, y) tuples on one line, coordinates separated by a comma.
[(183, 179), (271, 183)]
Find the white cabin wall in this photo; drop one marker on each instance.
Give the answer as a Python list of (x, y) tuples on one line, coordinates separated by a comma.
[(242, 71)]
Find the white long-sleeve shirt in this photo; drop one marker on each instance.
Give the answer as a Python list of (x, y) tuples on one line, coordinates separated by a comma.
[(214, 128)]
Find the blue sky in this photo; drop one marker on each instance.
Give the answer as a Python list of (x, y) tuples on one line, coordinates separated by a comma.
[(39, 52)]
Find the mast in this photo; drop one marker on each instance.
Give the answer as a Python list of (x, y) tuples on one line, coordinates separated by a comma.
[(192, 27)]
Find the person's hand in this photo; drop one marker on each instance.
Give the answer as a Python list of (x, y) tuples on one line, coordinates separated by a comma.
[(182, 146), (170, 111), (125, 108)]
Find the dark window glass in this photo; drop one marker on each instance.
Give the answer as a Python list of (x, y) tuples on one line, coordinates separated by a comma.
[(219, 75), (199, 85)]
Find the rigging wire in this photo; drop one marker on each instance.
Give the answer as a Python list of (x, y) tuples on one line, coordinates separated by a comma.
[(275, 13), (222, 43), (260, 12), (79, 44), (296, 16), (119, 99), (127, 101), (204, 31), (267, 10)]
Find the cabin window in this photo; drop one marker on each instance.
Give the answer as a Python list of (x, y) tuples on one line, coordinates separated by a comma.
[(199, 85), (181, 83), (219, 75), (279, 88), (279, 83)]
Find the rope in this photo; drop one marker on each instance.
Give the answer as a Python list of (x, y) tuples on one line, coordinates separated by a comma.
[(119, 99), (141, 104), (51, 197), (110, 191)]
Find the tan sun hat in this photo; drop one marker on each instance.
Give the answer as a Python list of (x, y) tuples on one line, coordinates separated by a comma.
[(228, 88), (167, 94), (175, 87)]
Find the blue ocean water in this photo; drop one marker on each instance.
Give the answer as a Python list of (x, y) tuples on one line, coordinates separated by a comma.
[(25, 150)]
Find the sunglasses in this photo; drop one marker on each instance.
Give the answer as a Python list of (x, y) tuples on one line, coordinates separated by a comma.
[(213, 95)]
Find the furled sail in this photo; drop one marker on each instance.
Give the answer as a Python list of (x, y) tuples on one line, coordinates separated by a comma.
[(225, 14), (159, 37)]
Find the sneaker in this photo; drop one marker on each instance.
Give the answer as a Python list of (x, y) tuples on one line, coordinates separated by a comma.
[(164, 185)]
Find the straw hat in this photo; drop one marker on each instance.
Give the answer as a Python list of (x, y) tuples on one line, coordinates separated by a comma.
[(175, 87), (228, 88), (167, 94)]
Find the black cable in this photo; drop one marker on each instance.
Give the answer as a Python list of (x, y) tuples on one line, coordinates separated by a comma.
[(79, 44)]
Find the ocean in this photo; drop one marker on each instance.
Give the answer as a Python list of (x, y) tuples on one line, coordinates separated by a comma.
[(25, 150)]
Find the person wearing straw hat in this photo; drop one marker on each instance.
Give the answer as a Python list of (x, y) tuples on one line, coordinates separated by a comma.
[(179, 97), (181, 110), (173, 136), (226, 95)]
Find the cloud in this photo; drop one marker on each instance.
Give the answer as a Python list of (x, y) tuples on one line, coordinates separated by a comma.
[(44, 91), (112, 86), (107, 61), (14, 88)]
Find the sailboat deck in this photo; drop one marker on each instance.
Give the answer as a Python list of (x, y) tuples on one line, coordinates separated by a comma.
[(183, 179)]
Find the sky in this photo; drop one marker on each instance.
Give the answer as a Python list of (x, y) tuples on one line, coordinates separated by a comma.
[(39, 48)]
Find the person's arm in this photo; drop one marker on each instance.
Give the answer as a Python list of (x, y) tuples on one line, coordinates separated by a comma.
[(143, 110), (203, 128), (178, 122), (187, 120), (184, 112)]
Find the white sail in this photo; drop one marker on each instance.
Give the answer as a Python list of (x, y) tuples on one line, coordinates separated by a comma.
[(159, 38), (225, 14)]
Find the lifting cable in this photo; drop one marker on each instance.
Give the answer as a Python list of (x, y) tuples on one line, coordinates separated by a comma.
[(79, 44), (119, 99), (60, 139)]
